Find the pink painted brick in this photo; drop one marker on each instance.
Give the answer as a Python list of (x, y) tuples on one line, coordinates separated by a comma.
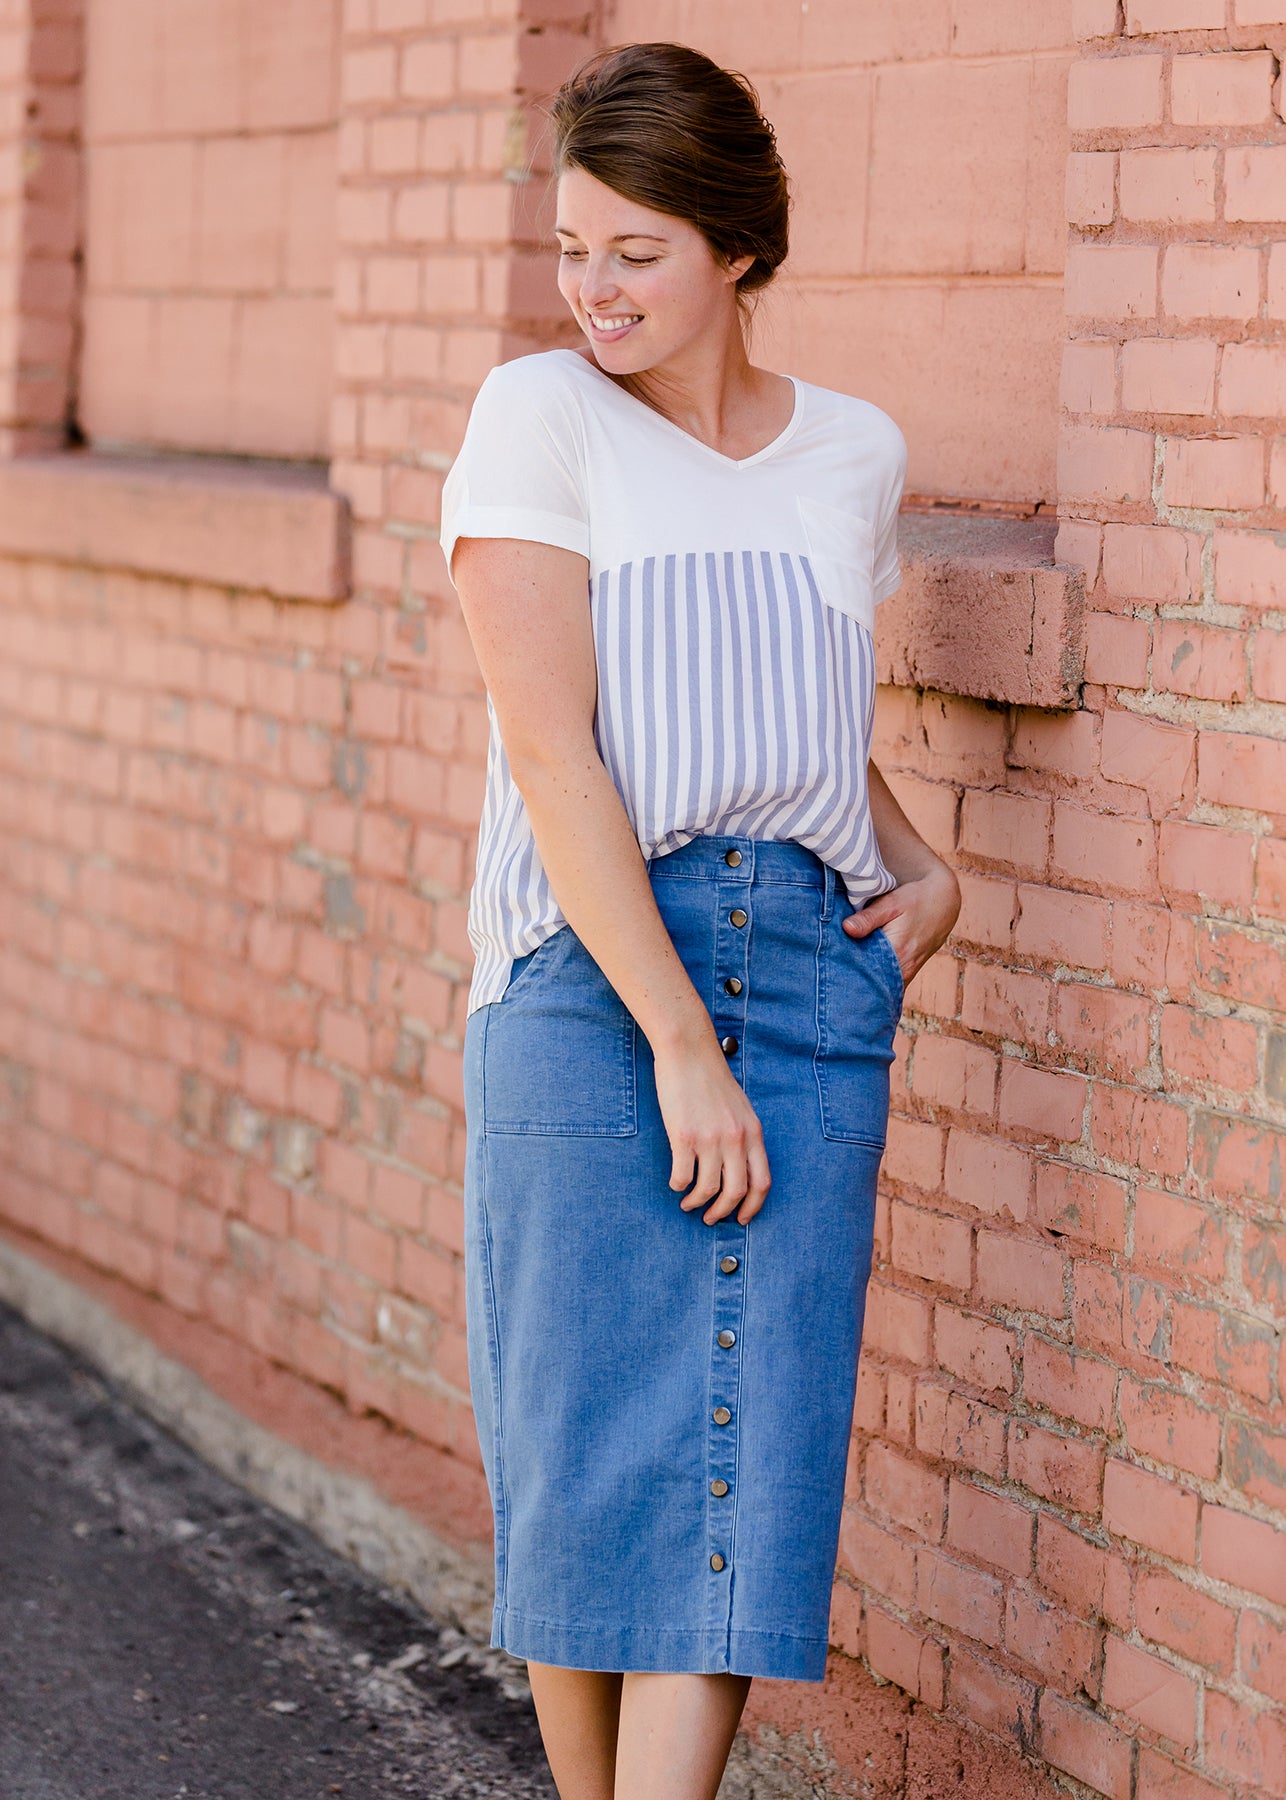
[(1047, 1101), (1090, 187), (1173, 185), (1145, 16), (1210, 281), (1150, 754), (1099, 463), (1151, 1691), (1269, 654), (1152, 562), (1114, 93), (1151, 1510), (1252, 382), (1224, 88), (1111, 281), (1095, 18), (1250, 568), (1116, 650), (1200, 660), (1255, 183), (1088, 383), (1259, 12), (1168, 375), (1225, 474)]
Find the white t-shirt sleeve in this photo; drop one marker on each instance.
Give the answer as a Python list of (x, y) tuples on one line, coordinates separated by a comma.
[(887, 568), (520, 470)]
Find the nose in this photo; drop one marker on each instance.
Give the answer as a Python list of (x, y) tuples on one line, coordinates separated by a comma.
[(598, 284)]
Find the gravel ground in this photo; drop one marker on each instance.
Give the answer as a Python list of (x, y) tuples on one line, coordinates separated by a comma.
[(163, 1635)]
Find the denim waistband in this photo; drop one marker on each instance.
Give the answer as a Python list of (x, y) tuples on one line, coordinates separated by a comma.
[(704, 858)]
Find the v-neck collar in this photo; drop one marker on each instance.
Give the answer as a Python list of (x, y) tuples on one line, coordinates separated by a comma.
[(730, 462)]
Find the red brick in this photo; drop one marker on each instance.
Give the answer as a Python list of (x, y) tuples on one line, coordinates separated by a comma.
[(1085, 1746), (954, 1073), (914, 1154), (1078, 1203), (1250, 570), (1170, 1428), (990, 1528), (1103, 853), (1201, 281), (1222, 89), (1270, 888), (905, 1492), (991, 1696), (1009, 829), (1070, 1567), (1151, 1691), (1240, 966), (1152, 562), (1045, 1638), (876, 1558), (987, 1173), (897, 1324), (1066, 1470), (975, 1350), (1171, 1613), (1005, 1003), (1256, 1462), (1248, 1745), (1116, 651), (1223, 473), (1255, 183), (1075, 1387), (1109, 1033), (1139, 1129), (1096, 1307), (1206, 862), (1225, 1347), (1264, 1259), (1176, 1233), (1262, 1650), (1016, 1273), (1042, 1100), (1102, 464), (1195, 659), (932, 1246), (1161, 1779), (905, 1656), (1148, 754), (963, 1598), (1151, 1510), (1201, 1050)]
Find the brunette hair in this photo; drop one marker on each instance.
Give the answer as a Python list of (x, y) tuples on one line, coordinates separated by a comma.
[(665, 126)]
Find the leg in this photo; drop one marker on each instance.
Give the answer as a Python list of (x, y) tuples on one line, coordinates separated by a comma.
[(578, 1711), (675, 1734)]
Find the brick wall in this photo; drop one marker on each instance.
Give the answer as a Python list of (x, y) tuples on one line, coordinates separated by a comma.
[(236, 838), (209, 230), (927, 142)]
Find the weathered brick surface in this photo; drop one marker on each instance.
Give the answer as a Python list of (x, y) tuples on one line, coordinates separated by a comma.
[(237, 838)]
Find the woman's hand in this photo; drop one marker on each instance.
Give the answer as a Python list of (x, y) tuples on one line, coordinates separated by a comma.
[(713, 1128), (918, 917)]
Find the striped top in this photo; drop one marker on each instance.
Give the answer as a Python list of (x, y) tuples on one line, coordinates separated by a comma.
[(732, 604)]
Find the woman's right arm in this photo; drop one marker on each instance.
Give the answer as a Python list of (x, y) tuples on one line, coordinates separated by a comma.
[(528, 617)]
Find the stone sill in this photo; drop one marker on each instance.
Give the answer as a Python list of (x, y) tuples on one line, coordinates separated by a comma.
[(983, 611), (272, 528)]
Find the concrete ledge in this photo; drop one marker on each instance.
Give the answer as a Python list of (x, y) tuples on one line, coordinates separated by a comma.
[(984, 611), (272, 528)]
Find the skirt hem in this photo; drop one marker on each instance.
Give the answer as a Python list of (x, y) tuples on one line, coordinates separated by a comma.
[(655, 1650)]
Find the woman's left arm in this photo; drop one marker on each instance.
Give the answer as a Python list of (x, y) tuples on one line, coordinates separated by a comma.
[(919, 913)]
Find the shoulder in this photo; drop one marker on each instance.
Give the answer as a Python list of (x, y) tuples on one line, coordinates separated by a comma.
[(857, 420), (544, 377)]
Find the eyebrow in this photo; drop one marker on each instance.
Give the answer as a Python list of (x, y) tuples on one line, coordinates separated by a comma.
[(621, 237)]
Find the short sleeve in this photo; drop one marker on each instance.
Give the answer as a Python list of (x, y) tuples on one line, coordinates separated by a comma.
[(887, 568), (520, 471)]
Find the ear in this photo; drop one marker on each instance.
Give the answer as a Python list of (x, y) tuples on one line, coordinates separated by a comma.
[(737, 266)]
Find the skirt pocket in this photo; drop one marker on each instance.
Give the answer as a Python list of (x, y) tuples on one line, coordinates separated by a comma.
[(859, 1002), (560, 1054)]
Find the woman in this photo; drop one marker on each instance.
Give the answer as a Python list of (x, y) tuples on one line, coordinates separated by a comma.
[(668, 560)]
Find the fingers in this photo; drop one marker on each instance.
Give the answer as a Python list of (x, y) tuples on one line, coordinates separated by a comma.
[(731, 1173)]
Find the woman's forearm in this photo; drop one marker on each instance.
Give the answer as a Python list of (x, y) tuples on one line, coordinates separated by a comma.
[(902, 850), (600, 880)]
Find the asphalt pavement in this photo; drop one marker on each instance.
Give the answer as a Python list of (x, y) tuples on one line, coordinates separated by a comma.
[(164, 1636)]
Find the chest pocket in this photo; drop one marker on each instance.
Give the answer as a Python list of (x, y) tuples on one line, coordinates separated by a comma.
[(841, 552)]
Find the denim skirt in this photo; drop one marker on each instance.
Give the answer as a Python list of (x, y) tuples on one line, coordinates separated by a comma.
[(664, 1407)]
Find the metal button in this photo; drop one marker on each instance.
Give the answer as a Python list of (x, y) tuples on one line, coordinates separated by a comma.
[(729, 1265), (738, 915), (716, 1562), (728, 1045), (718, 1489), (732, 985), (721, 1415), (727, 1339), (732, 858)]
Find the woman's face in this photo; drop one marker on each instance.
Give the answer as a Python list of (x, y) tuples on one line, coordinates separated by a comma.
[(642, 285)]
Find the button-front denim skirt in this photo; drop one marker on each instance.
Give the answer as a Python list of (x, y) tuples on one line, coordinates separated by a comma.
[(664, 1407)]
